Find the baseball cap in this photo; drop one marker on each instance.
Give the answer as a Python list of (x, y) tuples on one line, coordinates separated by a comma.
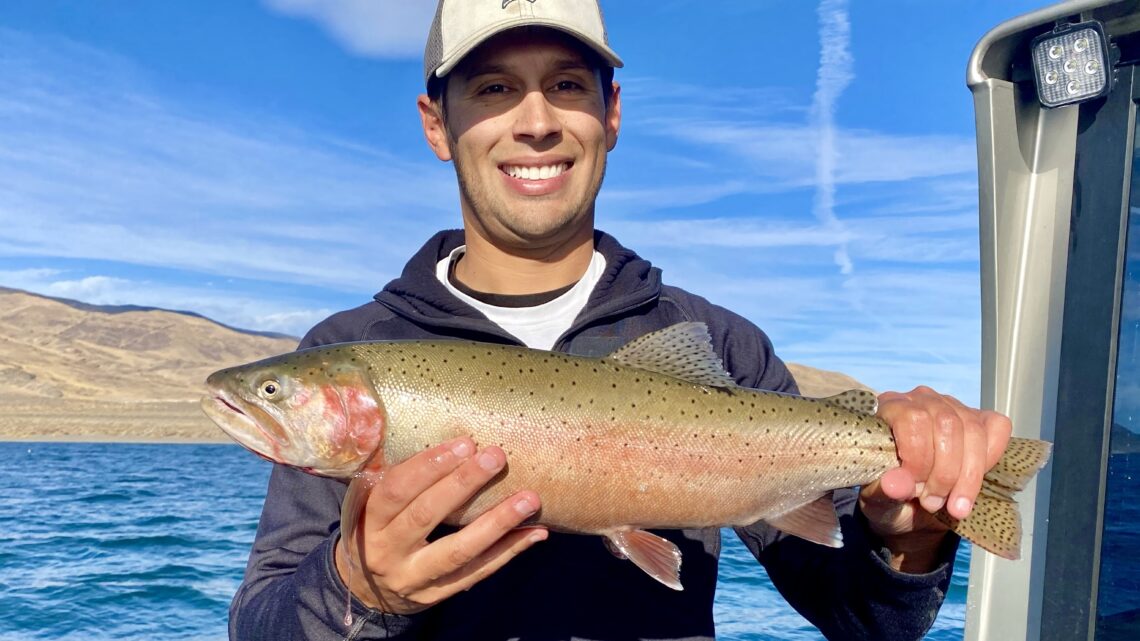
[(462, 25)]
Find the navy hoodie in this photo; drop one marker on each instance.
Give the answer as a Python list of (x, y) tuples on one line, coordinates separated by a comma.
[(569, 586)]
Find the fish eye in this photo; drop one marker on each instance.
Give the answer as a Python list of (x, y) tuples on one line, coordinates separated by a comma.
[(270, 388)]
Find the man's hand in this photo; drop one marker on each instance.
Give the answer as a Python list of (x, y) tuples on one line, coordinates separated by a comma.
[(944, 448), (389, 564)]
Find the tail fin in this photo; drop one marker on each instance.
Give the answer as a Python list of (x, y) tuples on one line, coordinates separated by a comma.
[(995, 522)]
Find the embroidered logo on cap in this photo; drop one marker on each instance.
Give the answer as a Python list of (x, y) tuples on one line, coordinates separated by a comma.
[(506, 3)]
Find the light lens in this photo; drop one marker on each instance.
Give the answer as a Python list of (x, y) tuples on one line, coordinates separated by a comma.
[(1080, 49)]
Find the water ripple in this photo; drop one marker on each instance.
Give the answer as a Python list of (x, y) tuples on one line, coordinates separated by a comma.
[(112, 541)]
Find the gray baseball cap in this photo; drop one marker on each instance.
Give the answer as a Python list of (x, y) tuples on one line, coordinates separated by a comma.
[(461, 25)]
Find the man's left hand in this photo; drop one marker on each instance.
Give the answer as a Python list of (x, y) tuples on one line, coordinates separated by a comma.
[(944, 448)]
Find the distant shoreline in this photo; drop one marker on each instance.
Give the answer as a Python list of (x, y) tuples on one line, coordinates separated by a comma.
[(96, 438), (56, 420)]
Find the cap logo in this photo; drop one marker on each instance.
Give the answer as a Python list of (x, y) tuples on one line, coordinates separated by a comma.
[(507, 3)]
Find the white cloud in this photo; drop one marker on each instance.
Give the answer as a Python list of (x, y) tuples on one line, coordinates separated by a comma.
[(13, 278), (380, 28), (231, 307), (786, 152), (94, 165), (96, 289), (720, 232)]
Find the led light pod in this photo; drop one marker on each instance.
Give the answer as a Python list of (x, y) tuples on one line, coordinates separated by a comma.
[(1070, 64)]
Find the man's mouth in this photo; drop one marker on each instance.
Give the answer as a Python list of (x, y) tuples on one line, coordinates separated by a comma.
[(541, 172)]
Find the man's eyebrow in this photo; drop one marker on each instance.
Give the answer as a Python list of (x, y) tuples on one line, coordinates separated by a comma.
[(484, 69), (572, 64), (491, 68)]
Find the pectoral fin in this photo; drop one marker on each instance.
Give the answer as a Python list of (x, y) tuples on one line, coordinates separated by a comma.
[(351, 509), (815, 521), (657, 556)]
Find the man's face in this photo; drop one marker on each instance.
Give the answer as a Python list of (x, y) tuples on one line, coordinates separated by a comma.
[(528, 129)]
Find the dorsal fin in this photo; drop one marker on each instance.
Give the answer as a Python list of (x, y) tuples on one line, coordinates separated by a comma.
[(856, 400), (683, 351)]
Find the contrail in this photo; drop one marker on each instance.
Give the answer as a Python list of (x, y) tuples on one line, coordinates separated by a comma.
[(835, 73)]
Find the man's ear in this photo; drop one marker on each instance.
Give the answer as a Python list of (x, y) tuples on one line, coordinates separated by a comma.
[(435, 131), (613, 118)]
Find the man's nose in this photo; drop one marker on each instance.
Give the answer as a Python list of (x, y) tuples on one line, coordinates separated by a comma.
[(537, 119)]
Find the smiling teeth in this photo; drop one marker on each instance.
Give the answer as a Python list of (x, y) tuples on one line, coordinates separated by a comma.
[(536, 173)]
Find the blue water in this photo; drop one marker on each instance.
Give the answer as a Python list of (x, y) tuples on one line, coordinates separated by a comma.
[(112, 541)]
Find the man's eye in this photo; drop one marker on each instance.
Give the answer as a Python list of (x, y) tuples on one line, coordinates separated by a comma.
[(567, 85), (493, 89)]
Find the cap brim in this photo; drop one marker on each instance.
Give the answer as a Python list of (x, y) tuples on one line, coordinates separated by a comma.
[(450, 62)]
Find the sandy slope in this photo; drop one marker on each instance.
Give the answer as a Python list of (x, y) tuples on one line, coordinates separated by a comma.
[(75, 372), (72, 371)]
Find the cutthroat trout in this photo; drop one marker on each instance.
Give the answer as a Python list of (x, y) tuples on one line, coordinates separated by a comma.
[(654, 435)]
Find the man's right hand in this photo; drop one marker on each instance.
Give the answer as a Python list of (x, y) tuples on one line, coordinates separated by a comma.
[(394, 568)]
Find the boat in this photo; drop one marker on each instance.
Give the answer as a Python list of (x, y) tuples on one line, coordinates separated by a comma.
[(1055, 95)]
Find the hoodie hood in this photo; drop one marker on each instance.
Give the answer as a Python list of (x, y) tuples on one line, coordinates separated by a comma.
[(628, 282)]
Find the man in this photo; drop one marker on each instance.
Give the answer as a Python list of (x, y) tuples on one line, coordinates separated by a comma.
[(521, 100)]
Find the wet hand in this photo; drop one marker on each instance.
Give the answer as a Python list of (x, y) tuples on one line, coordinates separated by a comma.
[(944, 449), (388, 563)]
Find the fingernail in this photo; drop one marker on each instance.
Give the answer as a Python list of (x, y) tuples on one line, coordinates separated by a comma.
[(461, 448), (524, 506), (963, 505), (932, 503), (539, 535), (488, 462)]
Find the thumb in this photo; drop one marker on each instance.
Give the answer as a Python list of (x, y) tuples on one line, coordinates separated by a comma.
[(897, 484)]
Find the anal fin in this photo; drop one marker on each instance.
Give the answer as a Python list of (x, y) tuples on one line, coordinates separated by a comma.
[(658, 557), (815, 521)]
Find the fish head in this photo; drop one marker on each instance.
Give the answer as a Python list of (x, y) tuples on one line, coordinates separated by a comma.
[(315, 410)]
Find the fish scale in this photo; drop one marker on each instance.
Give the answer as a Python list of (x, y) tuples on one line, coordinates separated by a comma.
[(655, 435), (571, 426)]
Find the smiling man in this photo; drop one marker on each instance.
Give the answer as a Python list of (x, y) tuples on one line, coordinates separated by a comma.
[(521, 99)]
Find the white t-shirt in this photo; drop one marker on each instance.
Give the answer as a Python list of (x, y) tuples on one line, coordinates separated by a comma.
[(539, 326)]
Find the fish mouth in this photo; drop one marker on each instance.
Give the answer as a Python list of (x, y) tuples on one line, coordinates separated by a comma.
[(248, 431)]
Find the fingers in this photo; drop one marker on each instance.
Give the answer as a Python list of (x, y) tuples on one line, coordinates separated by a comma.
[(480, 541), (948, 454), (998, 429), (944, 446), (897, 484), (428, 510), (404, 482), (398, 571), (969, 482), (913, 432), (483, 565)]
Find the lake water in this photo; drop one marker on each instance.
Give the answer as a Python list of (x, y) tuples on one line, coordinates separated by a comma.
[(113, 541)]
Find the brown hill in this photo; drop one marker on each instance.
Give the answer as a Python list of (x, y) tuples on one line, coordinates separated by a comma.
[(821, 382), (70, 370)]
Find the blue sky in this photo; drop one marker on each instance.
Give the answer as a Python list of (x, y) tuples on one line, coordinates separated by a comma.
[(811, 166)]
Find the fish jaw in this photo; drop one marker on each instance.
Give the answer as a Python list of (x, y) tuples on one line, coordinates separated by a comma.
[(242, 428)]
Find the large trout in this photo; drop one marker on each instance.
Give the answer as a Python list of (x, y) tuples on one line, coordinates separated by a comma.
[(655, 435)]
